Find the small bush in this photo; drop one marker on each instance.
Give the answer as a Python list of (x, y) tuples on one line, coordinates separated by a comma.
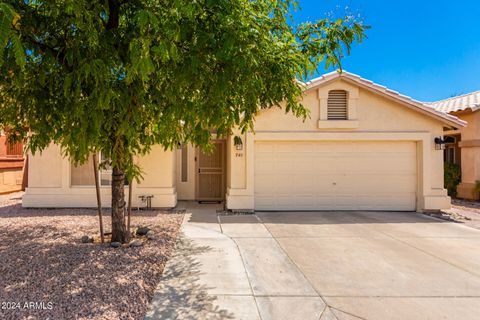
[(452, 176)]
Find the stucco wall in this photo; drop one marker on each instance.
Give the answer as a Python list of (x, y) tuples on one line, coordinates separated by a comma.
[(50, 182), (470, 149), (374, 118), (374, 112)]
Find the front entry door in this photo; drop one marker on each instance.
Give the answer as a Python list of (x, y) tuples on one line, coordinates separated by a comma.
[(211, 173)]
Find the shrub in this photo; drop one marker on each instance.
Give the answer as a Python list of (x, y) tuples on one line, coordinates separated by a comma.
[(452, 176), (477, 187)]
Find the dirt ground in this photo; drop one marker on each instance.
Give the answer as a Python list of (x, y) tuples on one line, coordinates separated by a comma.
[(46, 272)]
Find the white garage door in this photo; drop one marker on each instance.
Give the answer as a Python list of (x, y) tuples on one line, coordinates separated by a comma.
[(335, 175)]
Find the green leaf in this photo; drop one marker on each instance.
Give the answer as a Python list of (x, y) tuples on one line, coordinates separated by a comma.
[(19, 51), (7, 16)]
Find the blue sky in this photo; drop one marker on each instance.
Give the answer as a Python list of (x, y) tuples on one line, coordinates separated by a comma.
[(426, 49)]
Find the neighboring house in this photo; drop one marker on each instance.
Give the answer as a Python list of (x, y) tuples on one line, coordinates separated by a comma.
[(11, 165), (364, 147), (464, 148)]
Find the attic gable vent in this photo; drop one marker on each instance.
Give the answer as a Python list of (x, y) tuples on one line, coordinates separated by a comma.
[(337, 105)]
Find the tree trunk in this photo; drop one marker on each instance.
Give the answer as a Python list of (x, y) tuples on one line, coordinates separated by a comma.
[(119, 230)]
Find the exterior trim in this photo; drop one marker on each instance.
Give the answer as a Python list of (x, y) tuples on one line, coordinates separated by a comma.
[(469, 143), (428, 197), (338, 124)]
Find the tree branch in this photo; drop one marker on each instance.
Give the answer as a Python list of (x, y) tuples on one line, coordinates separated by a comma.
[(113, 14), (44, 48)]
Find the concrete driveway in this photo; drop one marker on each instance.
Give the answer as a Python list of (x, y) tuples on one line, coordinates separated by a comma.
[(320, 265)]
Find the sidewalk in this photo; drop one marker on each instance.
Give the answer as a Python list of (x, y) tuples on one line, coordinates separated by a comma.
[(230, 267)]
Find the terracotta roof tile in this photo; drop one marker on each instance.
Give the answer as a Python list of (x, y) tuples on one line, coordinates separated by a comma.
[(459, 103)]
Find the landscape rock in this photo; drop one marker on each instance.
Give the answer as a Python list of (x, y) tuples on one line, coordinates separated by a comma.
[(142, 231), (115, 244), (136, 243), (150, 235), (47, 263), (87, 239)]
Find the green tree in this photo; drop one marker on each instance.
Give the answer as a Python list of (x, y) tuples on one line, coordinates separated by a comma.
[(120, 76)]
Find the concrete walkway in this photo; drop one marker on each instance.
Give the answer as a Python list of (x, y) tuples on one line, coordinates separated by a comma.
[(319, 265), (230, 267)]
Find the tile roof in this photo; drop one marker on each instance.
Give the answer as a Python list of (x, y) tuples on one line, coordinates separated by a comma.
[(412, 103), (459, 103)]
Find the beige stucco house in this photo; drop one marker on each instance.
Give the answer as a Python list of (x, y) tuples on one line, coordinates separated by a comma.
[(465, 147), (364, 147)]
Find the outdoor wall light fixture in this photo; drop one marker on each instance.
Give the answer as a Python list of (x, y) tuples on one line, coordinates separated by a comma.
[(439, 143), (237, 141)]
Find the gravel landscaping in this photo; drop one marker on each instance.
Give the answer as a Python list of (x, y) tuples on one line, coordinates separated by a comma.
[(46, 272), (464, 211)]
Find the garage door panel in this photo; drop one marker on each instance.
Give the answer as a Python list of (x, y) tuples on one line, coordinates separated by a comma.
[(335, 176), (376, 202), (284, 185), (365, 201), (321, 168), (345, 202), (373, 165), (378, 183), (305, 188), (287, 201), (263, 182), (398, 202), (266, 169), (265, 148), (285, 166), (304, 167), (265, 203)]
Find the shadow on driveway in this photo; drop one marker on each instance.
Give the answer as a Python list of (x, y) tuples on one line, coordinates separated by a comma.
[(180, 294)]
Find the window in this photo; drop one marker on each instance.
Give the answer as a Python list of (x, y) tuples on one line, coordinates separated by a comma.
[(105, 171), (83, 175), (449, 154), (337, 108), (184, 167)]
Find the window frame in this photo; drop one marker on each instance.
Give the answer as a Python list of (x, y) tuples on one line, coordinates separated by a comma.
[(100, 172), (352, 100)]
